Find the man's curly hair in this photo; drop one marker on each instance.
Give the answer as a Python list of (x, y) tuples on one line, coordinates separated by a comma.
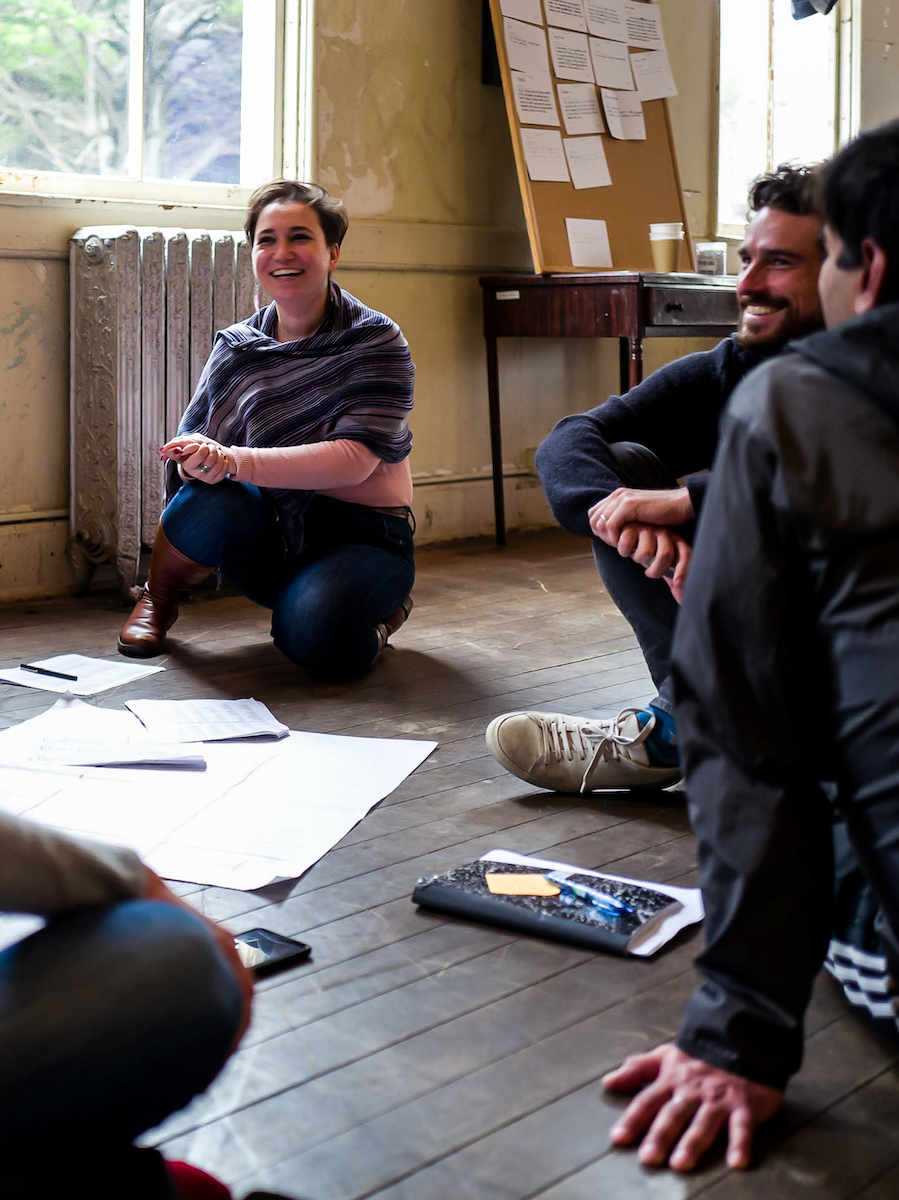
[(789, 189)]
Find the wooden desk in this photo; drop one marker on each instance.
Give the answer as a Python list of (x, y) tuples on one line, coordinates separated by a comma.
[(628, 305)]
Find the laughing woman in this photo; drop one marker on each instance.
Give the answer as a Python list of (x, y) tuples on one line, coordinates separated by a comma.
[(290, 470)]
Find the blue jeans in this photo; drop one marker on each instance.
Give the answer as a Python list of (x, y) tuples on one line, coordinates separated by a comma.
[(356, 568), (647, 604), (111, 1018)]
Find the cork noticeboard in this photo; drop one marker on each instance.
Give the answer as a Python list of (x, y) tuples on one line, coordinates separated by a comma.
[(645, 186)]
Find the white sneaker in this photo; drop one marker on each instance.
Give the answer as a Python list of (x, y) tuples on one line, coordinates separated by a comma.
[(574, 754)]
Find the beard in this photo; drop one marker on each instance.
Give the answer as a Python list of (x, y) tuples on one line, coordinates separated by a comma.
[(790, 326)]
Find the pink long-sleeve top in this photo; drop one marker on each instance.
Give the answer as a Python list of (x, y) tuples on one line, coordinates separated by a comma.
[(342, 469)]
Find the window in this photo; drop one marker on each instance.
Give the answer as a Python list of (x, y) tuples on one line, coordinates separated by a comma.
[(171, 99), (778, 96)]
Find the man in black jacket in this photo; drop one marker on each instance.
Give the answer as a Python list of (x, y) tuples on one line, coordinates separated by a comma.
[(612, 474), (786, 674)]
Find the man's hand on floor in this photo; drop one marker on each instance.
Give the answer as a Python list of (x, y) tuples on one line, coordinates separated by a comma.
[(683, 1105), (626, 506)]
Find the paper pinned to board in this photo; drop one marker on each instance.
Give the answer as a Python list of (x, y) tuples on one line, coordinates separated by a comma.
[(644, 25), (526, 48), (570, 55), (652, 75), (522, 10), (587, 162), (588, 243), (580, 108), (624, 115), (611, 64), (568, 14), (534, 99), (605, 18), (544, 155)]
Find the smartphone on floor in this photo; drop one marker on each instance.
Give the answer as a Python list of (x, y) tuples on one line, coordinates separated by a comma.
[(264, 952)]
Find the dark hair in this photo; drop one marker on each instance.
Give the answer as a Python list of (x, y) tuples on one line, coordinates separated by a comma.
[(789, 189), (331, 213), (861, 200)]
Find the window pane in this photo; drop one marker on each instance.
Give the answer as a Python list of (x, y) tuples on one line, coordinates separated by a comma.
[(64, 85), (800, 125), (804, 86), (743, 105), (192, 83)]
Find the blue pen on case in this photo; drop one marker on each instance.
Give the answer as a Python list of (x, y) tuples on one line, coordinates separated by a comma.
[(610, 905)]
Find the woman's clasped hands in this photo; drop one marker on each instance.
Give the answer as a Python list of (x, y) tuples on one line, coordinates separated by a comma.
[(199, 457)]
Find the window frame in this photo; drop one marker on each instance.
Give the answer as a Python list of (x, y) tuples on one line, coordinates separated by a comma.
[(288, 117), (847, 87)]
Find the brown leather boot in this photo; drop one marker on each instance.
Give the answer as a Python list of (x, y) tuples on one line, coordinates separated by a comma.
[(156, 611), (392, 623)]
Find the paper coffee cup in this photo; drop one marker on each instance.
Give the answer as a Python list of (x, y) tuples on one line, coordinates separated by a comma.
[(665, 240)]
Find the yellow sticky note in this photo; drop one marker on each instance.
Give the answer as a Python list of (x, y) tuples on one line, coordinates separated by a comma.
[(502, 884)]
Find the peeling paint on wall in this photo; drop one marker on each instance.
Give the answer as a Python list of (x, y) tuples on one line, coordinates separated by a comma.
[(371, 193), (353, 35)]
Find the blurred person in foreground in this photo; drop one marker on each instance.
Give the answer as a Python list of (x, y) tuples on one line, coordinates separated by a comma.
[(115, 1014)]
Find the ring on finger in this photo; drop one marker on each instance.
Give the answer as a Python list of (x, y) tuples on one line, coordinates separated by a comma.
[(684, 1100), (204, 469)]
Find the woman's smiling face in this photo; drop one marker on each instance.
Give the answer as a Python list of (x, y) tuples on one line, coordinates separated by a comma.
[(292, 260)]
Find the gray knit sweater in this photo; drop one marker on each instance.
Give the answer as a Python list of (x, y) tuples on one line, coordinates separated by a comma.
[(45, 872)]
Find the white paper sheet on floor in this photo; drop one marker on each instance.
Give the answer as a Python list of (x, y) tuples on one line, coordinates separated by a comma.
[(260, 811)]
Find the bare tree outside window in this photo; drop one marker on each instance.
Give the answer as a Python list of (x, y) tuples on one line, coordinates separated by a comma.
[(71, 80)]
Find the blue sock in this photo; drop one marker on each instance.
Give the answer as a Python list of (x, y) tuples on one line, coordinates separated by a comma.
[(661, 745)]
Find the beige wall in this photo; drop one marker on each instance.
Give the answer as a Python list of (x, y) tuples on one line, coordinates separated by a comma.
[(420, 150)]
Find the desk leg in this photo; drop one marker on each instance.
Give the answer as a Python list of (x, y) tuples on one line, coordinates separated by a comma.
[(496, 442), (630, 362)]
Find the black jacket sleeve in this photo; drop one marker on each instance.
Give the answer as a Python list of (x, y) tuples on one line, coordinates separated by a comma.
[(785, 659), (674, 412)]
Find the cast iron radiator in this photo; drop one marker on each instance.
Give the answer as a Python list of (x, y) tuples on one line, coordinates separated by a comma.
[(145, 305)]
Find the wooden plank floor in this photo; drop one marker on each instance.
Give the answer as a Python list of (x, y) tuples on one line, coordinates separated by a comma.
[(417, 1058)]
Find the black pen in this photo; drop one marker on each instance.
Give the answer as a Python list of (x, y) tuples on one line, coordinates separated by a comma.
[(47, 671)]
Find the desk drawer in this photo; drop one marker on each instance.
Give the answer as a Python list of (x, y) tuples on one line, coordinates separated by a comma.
[(676, 306), (566, 311)]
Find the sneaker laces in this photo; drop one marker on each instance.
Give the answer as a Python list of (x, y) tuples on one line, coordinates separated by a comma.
[(569, 738)]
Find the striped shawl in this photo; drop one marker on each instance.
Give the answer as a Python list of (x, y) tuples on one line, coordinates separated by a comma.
[(351, 379)]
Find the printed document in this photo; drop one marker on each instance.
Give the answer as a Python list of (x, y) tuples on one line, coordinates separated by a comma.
[(587, 162), (624, 115), (605, 18), (571, 56), (652, 74), (580, 108), (588, 242), (569, 14), (644, 25), (523, 10), (534, 99), (611, 65), (526, 48), (544, 155)]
